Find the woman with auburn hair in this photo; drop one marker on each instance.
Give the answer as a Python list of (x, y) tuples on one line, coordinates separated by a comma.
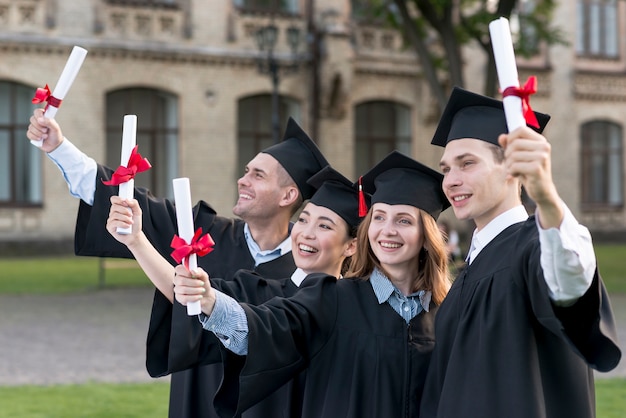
[(365, 342), (433, 273)]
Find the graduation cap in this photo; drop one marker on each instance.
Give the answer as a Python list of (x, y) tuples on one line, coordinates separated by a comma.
[(471, 115), (299, 155), (400, 180), (337, 193)]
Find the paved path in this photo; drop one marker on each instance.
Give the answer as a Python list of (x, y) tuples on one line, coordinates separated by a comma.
[(93, 336), (100, 336)]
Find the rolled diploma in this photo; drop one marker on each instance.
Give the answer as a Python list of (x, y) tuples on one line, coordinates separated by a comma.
[(72, 66), (184, 217), (129, 140), (506, 66)]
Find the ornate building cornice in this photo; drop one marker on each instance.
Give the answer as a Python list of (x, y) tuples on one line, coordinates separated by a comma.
[(138, 50), (598, 86)]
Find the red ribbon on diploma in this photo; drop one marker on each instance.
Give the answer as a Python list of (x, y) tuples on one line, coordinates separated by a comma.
[(199, 246), (43, 94), (136, 164), (524, 93)]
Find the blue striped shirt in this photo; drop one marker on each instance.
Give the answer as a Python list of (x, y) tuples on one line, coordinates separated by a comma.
[(408, 307)]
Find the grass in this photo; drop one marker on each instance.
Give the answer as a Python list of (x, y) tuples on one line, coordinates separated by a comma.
[(610, 399), (91, 400), (99, 400), (67, 274), (612, 266)]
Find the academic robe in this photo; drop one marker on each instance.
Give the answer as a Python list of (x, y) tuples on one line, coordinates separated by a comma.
[(191, 390), (250, 287), (361, 358), (505, 350)]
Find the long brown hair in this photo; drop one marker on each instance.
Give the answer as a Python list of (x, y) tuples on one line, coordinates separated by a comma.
[(433, 273)]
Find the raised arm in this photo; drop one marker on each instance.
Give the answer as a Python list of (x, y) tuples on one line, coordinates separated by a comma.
[(567, 254), (127, 213)]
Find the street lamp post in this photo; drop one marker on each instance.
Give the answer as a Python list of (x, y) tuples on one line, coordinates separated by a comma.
[(266, 38)]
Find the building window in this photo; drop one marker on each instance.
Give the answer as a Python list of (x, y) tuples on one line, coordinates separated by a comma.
[(157, 134), (598, 32), (380, 128), (371, 11), (525, 32), (20, 162), (602, 165), (254, 124), (275, 6)]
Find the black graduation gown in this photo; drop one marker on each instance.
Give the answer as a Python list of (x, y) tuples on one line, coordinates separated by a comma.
[(504, 350), (188, 389), (361, 358), (250, 287)]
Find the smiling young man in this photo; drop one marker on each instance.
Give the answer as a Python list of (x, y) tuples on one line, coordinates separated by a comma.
[(271, 190), (529, 317)]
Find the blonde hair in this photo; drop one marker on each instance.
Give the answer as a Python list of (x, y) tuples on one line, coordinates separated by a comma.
[(433, 273)]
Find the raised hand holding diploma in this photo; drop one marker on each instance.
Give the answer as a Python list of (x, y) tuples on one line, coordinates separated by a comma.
[(131, 163), (188, 245), (53, 99), (515, 100), (129, 141)]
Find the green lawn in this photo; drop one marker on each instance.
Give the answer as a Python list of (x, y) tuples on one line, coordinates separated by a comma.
[(612, 266), (150, 400), (92, 400), (67, 274), (610, 399)]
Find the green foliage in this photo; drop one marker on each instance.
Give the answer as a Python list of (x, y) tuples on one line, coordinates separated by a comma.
[(66, 274), (92, 400)]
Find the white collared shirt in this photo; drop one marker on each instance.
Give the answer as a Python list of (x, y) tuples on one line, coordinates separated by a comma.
[(298, 276), (567, 255)]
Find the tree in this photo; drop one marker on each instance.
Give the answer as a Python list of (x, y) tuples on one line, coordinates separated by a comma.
[(439, 29)]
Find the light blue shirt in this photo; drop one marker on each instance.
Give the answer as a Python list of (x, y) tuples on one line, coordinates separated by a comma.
[(228, 320), (261, 256), (78, 169), (408, 307)]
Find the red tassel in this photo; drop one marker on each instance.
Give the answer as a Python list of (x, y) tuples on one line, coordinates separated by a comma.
[(362, 204)]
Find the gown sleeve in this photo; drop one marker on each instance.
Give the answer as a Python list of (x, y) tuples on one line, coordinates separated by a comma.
[(588, 325), (284, 334)]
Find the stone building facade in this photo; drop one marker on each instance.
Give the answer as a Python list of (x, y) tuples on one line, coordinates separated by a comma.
[(194, 75)]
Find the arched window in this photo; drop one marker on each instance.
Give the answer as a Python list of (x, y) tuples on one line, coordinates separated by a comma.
[(157, 134), (602, 165), (20, 161), (254, 124), (380, 127)]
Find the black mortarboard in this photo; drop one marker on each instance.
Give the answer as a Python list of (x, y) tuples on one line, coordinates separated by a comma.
[(299, 155), (337, 193), (400, 180), (471, 115)]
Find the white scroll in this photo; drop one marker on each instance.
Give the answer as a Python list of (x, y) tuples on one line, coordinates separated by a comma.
[(184, 217), (129, 140), (72, 66), (506, 66)]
